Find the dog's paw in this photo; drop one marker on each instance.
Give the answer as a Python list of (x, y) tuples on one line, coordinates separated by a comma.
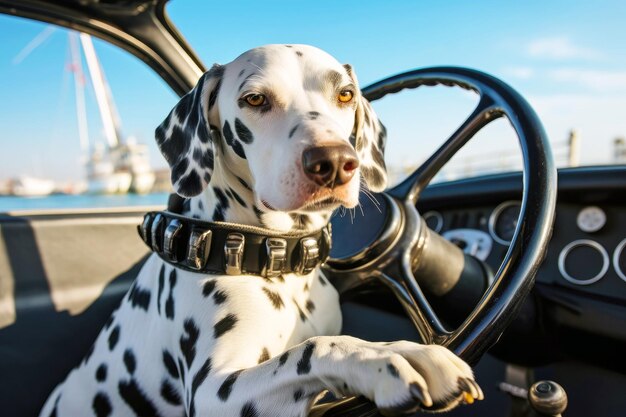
[(397, 387), (449, 380)]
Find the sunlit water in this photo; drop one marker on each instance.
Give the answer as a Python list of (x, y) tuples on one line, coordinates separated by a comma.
[(10, 203)]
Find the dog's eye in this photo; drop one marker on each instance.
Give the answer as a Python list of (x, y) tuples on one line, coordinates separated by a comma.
[(345, 96), (255, 100)]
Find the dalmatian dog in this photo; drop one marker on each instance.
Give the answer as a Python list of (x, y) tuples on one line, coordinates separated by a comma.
[(279, 138)]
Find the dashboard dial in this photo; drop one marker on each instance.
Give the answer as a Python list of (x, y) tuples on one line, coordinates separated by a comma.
[(591, 219), (503, 221)]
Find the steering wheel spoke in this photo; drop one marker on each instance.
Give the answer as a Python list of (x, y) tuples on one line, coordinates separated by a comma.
[(485, 112)]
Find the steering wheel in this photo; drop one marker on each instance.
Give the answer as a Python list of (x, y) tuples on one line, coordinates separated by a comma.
[(397, 248)]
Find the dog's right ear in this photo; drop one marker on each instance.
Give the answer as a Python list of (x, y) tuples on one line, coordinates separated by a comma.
[(184, 137)]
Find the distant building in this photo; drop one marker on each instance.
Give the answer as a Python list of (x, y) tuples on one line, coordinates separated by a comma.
[(619, 150), (162, 182)]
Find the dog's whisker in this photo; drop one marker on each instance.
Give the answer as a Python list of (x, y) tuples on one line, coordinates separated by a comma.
[(361, 208)]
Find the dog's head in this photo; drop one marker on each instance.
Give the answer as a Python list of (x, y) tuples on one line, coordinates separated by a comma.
[(288, 118)]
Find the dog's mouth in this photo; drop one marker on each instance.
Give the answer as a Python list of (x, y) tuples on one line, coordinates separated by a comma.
[(328, 202), (324, 203)]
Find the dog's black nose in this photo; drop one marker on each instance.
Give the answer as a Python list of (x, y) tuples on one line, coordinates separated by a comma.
[(330, 166)]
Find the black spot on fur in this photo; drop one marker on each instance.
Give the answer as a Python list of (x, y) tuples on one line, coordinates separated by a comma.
[(129, 361), (200, 205), (283, 358), (160, 289), (322, 280), (265, 355), (139, 297), (190, 184), (227, 386), (275, 298), (393, 371), (198, 379), (304, 364), (310, 306), (221, 197), (218, 214), (205, 136), (220, 296), (231, 141), (114, 337), (188, 341), (314, 115), (179, 169), (293, 131), (208, 288), (101, 405), (214, 93), (109, 322), (101, 373), (173, 147), (169, 303), (249, 410), (335, 78), (222, 204), (182, 108), (170, 364), (243, 132), (239, 200), (197, 155), (224, 325), (181, 370), (241, 73), (245, 184), (300, 312), (239, 150), (169, 393), (136, 399), (298, 394), (299, 53)]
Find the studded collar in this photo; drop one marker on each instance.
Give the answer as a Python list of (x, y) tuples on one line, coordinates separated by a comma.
[(231, 248)]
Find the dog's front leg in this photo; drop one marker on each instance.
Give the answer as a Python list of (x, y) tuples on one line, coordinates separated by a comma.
[(287, 385)]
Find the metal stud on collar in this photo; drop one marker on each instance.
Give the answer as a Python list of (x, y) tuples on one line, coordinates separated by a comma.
[(233, 253), (157, 232), (199, 248), (169, 239), (309, 255), (276, 256), (144, 229)]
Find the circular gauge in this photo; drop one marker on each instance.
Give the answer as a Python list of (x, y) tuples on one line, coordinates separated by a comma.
[(583, 262), (503, 221), (591, 219), (434, 220)]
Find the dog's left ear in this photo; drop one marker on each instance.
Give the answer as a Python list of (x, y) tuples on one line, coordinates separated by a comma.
[(368, 138), (184, 137)]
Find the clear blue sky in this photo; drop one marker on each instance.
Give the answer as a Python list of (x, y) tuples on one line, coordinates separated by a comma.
[(568, 58)]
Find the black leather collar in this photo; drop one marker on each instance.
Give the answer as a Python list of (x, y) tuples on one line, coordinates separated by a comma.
[(232, 249)]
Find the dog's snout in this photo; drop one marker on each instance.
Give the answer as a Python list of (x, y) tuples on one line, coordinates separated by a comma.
[(330, 166)]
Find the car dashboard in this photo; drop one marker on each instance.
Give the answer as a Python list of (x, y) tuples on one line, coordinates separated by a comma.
[(580, 288)]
